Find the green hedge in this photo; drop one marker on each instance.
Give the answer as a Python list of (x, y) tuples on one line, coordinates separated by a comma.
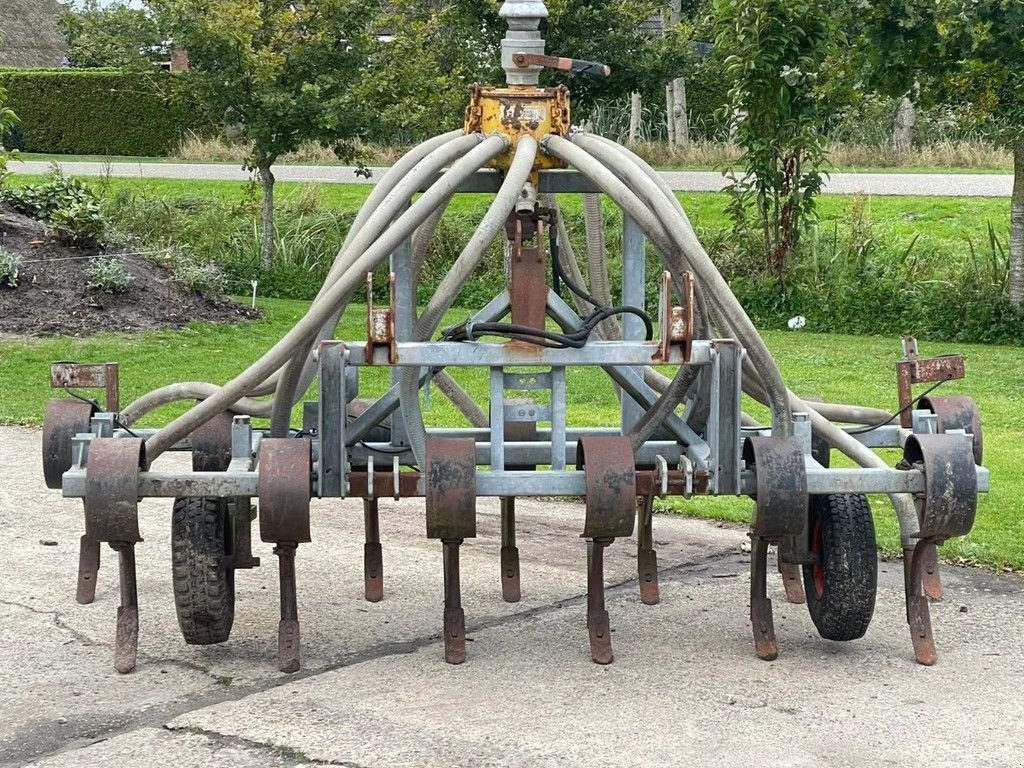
[(98, 112)]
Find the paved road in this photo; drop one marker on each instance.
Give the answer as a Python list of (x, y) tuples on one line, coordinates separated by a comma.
[(685, 688), (948, 185)]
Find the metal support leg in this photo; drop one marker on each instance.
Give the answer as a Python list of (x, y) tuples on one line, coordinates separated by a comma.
[(597, 616), (918, 612), (454, 616), (792, 578), (930, 579), (126, 648), (646, 557), (288, 658), (88, 569), (373, 556), (510, 586), (760, 605)]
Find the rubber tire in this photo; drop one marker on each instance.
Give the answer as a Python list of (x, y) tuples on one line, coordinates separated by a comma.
[(848, 557), (204, 585)]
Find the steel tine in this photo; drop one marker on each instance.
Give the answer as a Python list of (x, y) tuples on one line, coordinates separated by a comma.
[(918, 611), (373, 554), (930, 579), (288, 657), (126, 648), (598, 625), (760, 606), (454, 616), (646, 557), (88, 569), (792, 578), (511, 591)]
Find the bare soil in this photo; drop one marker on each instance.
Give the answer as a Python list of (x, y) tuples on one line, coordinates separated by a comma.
[(51, 298)]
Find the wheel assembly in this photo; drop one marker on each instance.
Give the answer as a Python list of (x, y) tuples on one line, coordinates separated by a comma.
[(202, 565), (680, 435), (841, 578)]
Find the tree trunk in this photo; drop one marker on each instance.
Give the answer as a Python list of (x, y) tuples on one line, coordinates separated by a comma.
[(267, 245), (635, 114), (679, 116), (903, 126), (669, 115), (1015, 280)]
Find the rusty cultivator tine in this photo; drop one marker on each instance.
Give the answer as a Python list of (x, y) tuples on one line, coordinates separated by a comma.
[(760, 605), (373, 555), (931, 581), (511, 591), (918, 611), (288, 655), (454, 616), (285, 466), (126, 648), (598, 625), (88, 569), (792, 578), (646, 557)]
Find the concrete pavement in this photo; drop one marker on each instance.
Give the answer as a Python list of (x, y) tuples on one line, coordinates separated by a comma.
[(685, 688), (941, 184)]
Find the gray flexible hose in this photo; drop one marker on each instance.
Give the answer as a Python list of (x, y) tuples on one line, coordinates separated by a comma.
[(491, 224), (323, 309), (201, 390), (403, 181), (717, 289)]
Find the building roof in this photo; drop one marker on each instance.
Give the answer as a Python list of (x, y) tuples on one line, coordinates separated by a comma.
[(30, 35)]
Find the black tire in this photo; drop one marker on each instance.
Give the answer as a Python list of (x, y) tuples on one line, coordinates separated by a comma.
[(842, 578), (204, 585)]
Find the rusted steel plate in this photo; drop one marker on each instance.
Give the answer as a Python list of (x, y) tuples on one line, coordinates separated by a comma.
[(950, 500), (285, 464), (63, 420), (528, 288), (450, 475), (610, 468), (957, 412), (781, 496), (77, 376), (211, 445), (112, 489)]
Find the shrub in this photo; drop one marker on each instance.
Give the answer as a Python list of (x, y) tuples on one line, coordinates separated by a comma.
[(41, 200), (107, 275), (98, 112), (9, 264), (204, 278), (79, 223)]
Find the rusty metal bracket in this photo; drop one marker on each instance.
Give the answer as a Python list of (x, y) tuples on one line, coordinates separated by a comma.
[(380, 322), (211, 444), (66, 375), (957, 412), (610, 467), (914, 370), (285, 466), (676, 322), (950, 501), (782, 499), (63, 420)]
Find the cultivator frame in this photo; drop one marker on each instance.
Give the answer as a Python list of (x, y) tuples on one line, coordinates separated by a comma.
[(349, 447)]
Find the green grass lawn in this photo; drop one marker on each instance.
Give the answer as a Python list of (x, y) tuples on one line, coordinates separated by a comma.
[(841, 368)]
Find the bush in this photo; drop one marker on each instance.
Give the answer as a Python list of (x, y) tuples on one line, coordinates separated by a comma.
[(69, 206), (79, 223), (98, 112), (203, 278), (107, 275), (9, 264)]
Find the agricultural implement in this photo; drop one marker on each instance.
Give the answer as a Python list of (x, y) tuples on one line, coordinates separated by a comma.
[(681, 434)]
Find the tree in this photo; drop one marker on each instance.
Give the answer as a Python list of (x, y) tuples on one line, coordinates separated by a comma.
[(281, 71), (775, 51), (969, 51), (112, 36)]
